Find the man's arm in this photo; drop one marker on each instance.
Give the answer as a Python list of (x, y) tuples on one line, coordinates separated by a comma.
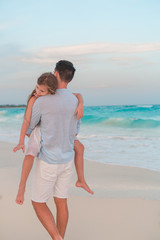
[(35, 117)]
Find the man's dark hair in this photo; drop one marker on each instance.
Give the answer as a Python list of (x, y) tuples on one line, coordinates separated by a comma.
[(66, 70)]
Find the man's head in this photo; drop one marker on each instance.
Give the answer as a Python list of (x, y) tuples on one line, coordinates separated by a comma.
[(65, 70)]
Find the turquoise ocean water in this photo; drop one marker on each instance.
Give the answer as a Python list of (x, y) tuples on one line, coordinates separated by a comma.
[(122, 135)]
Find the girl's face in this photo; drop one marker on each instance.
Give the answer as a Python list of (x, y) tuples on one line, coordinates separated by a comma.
[(41, 90)]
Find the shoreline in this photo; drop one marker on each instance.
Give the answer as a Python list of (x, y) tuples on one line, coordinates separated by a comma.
[(106, 180), (3, 142)]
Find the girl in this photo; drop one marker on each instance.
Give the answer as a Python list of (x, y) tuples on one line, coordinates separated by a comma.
[(46, 84)]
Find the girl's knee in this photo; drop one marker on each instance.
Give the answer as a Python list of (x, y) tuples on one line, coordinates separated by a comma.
[(78, 146), (81, 147)]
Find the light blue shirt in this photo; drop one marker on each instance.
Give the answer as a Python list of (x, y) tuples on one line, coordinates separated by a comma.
[(58, 125)]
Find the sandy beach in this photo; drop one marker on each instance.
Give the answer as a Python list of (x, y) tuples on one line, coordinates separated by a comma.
[(125, 206)]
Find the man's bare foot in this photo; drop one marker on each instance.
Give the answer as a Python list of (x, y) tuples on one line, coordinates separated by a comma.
[(20, 197), (84, 186)]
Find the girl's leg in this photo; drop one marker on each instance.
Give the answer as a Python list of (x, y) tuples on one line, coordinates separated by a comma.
[(79, 150), (26, 168)]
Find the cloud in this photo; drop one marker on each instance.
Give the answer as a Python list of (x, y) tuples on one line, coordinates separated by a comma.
[(49, 54), (94, 48)]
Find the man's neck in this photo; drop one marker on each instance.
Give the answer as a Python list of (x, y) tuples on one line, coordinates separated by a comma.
[(62, 85)]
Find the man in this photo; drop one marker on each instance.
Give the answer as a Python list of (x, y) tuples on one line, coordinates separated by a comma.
[(53, 167)]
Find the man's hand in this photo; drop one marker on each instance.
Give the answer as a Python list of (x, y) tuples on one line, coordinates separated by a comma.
[(18, 147)]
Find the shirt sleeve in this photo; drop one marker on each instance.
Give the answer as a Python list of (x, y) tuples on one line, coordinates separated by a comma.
[(35, 117), (78, 125)]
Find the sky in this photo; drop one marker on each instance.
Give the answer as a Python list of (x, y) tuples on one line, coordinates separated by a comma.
[(114, 46)]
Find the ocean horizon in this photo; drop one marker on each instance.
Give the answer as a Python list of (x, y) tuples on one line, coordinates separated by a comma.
[(126, 135)]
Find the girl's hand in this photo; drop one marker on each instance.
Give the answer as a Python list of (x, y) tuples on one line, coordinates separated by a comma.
[(18, 147), (36, 95), (79, 111)]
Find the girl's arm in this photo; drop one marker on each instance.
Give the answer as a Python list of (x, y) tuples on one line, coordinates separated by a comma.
[(79, 111), (25, 124)]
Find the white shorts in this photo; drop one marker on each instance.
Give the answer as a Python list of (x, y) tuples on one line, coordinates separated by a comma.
[(34, 144), (50, 179)]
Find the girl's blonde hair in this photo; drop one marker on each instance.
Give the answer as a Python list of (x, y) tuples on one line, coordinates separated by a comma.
[(49, 80)]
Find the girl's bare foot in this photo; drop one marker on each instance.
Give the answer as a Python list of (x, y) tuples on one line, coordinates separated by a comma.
[(20, 196), (84, 185)]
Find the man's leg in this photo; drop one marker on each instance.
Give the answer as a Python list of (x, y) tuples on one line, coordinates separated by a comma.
[(47, 219), (61, 194), (62, 214), (42, 186)]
